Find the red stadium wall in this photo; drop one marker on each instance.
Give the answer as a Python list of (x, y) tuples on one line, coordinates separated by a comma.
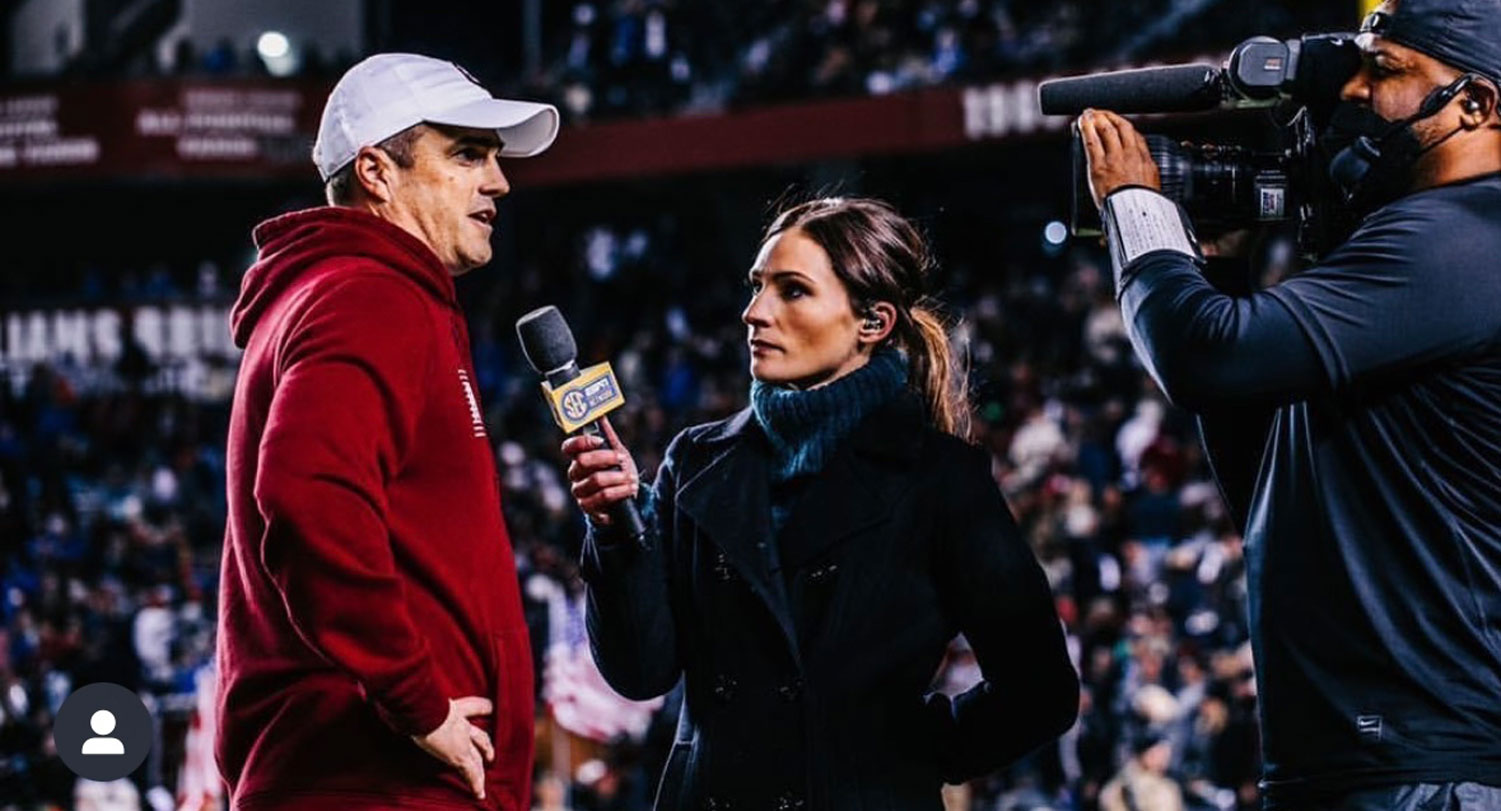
[(263, 130)]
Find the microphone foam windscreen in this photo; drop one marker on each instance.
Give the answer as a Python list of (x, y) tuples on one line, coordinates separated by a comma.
[(546, 339), (1170, 89)]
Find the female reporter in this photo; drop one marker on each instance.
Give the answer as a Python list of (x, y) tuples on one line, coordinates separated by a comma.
[(810, 558)]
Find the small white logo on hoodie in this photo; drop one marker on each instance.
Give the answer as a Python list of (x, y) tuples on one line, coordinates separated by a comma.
[(475, 420)]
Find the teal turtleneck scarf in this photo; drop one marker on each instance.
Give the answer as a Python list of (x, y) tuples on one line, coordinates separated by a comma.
[(805, 426)]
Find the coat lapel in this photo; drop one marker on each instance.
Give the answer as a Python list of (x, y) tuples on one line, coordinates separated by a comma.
[(729, 500)]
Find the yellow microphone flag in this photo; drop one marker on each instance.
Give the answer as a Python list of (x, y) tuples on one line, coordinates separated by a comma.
[(584, 399)]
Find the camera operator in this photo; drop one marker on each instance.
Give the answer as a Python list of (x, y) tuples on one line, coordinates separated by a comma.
[(1353, 417)]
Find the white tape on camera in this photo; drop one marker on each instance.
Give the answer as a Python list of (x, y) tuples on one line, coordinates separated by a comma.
[(1140, 221)]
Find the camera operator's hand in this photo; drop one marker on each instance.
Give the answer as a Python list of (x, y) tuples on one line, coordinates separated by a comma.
[(1116, 153)]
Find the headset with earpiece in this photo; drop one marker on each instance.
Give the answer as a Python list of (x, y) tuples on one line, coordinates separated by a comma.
[(1442, 96)]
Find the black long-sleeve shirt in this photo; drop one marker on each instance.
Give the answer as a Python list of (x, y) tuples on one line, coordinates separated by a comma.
[(1365, 461)]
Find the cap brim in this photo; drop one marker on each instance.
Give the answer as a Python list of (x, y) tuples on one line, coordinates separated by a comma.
[(525, 128)]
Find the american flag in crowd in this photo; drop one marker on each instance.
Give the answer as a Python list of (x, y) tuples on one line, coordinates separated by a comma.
[(576, 694)]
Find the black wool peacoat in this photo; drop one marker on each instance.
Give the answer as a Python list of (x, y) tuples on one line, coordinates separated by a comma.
[(810, 690)]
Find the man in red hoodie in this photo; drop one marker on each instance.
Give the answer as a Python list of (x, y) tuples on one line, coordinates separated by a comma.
[(372, 651)]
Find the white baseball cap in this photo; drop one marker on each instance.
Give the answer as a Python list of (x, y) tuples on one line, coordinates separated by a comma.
[(389, 93)]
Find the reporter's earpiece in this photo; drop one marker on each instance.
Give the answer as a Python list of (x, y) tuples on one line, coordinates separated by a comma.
[(1471, 106), (871, 322)]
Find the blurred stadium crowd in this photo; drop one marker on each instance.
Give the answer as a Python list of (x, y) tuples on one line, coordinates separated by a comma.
[(112, 486), (603, 59), (665, 56), (112, 507)]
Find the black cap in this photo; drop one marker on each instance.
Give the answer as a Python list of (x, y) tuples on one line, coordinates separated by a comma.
[(1465, 34)]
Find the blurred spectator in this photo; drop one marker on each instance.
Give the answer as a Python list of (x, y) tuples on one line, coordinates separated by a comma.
[(116, 795), (1142, 784)]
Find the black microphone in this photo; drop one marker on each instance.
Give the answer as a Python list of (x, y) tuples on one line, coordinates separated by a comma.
[(579, 398), (1170, 89)]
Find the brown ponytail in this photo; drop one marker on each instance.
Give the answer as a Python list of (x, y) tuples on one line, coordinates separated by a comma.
[(936, 373)]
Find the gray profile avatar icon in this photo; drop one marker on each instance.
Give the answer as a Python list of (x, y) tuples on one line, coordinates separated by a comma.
[(103, 732), (103, 723)]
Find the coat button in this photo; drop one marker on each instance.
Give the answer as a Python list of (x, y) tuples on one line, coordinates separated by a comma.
[(716, 804), (791, 691), (724, 688), (823, 573), (722, 568), (789, 802)]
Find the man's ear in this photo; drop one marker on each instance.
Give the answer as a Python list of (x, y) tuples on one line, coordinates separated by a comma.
[(1478, 104), (374, 171)]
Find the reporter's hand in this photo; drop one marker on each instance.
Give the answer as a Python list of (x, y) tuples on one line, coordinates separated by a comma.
[(461, 744), (1116, 154), (596, 487)]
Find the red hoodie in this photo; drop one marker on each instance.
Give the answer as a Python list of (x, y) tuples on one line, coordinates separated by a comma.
[(367, 576)]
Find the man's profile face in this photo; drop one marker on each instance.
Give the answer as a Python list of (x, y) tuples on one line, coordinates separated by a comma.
[(447, 197), (1394, 79)]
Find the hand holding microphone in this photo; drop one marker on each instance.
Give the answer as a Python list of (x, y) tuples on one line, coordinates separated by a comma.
[(604, 478), (602, 473)]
